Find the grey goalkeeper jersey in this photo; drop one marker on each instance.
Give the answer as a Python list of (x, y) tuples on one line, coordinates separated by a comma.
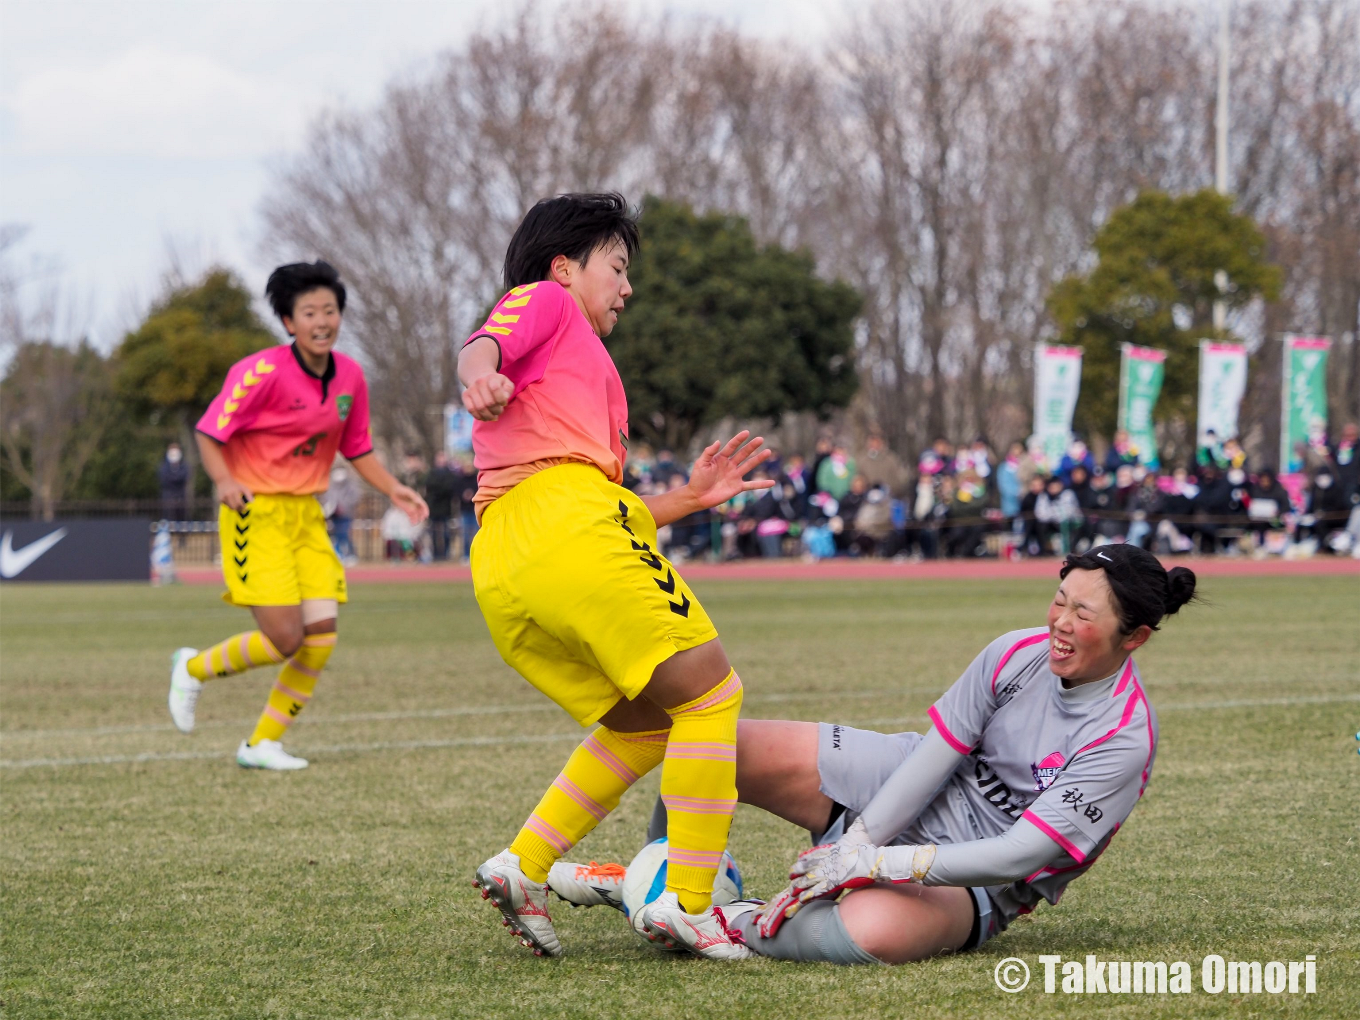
[(1071, 763)]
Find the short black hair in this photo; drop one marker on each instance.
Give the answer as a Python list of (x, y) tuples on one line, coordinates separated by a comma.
[(288, 282), (570, 225), (1144, 590)]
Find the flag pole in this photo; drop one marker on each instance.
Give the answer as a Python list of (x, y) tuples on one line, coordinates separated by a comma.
[(1221, 147)]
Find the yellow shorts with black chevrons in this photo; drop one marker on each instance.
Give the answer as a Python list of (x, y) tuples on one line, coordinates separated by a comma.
[(575, 594), (275, 552)]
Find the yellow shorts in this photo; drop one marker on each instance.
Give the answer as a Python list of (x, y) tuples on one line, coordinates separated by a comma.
[(275, 552), (575, 595)]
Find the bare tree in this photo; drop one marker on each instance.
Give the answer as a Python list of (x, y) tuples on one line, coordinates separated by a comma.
[(949, 158), (57, 395)]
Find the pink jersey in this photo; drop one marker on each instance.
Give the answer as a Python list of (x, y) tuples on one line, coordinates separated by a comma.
[(568, 403), (282, 425)]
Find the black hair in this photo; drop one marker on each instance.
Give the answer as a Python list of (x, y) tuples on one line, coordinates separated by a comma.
[(570, 225), (1144, 590), (287, 283)]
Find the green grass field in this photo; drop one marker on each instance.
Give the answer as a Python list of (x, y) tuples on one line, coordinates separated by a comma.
[(179, 885)]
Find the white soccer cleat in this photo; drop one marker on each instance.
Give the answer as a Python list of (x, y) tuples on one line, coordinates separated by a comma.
[(663, 921), (522, 902), (268, 754), (588, 885), (184, 690)]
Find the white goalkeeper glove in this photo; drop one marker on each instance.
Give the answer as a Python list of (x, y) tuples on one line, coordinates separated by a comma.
[(850, 863)]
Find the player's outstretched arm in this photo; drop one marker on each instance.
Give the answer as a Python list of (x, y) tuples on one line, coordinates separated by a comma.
[(370, 469), (718, 475), (229, 490), (485, 390)]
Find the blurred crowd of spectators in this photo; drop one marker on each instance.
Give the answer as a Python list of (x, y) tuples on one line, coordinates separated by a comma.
[(956, 502), (966, 501)]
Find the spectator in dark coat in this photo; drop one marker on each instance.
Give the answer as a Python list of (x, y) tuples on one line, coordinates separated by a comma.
[(1347, 457), (465, 486), (1077, 455), (849, 507), (1104, 508), (1036, 531), (1328, 509), (1121, 453), (173, 474), (665, 467), (797, 485), (1218, 501), (441, 491), (1142, 503), (1269, 502), (767, 518)]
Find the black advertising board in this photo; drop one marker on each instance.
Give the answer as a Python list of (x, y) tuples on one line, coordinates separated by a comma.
[(76, 549)]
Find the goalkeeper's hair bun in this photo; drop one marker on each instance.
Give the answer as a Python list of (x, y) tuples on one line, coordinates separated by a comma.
[(1144, 591), (1180, 588)]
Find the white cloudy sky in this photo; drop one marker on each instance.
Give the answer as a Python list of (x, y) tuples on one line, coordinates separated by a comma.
[(131, 126)]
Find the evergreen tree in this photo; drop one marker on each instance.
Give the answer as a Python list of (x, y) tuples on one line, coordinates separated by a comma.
[(170, 367), (1153, 285), (720, 326)]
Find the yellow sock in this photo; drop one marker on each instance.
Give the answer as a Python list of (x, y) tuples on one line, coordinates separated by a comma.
[(699, 788), (293, 689), (588, 788), (234, 655)]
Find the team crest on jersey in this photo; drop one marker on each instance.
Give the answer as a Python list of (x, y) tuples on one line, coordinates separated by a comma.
[(1047, 771), (342, 404)]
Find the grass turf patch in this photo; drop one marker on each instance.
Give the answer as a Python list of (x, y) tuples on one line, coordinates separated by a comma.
[(188, 887)]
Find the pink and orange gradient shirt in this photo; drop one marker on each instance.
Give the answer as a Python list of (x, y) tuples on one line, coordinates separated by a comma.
[(568, 404), (281, 426)]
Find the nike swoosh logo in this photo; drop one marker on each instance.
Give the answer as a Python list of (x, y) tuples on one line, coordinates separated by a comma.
[(14, 562)]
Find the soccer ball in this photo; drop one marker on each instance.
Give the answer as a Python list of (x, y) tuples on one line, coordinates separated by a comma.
[(646, 879)]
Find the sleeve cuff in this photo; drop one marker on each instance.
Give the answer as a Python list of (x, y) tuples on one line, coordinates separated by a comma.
[(1076, 852), (500, 354), (949, 738)]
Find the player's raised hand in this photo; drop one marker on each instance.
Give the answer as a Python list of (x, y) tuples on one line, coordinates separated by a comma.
[(719, 473), (409, 502), (486, 396)]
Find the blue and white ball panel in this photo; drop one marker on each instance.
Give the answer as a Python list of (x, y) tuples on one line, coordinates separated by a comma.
[(646, 878)]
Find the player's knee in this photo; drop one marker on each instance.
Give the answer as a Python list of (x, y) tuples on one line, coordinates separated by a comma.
[(902, 925), (286, 638), (689, 674)]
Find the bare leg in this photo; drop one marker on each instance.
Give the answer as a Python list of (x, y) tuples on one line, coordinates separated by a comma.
[(283, 626), (909, 922), (639, 716), (687, 675), (777, 771)]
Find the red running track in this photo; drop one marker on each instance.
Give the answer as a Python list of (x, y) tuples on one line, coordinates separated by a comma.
[(857, 570)]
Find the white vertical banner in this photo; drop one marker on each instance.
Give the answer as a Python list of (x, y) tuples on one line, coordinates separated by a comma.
[(1057, 381), (1222, 382)]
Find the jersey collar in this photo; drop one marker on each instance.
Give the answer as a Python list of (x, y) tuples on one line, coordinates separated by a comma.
[(325, 377)]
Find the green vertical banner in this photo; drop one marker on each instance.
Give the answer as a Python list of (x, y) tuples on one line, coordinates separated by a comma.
[(1303, 397), (1141, 370)]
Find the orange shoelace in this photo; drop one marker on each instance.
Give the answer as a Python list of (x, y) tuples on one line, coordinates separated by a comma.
[(606, 871)]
